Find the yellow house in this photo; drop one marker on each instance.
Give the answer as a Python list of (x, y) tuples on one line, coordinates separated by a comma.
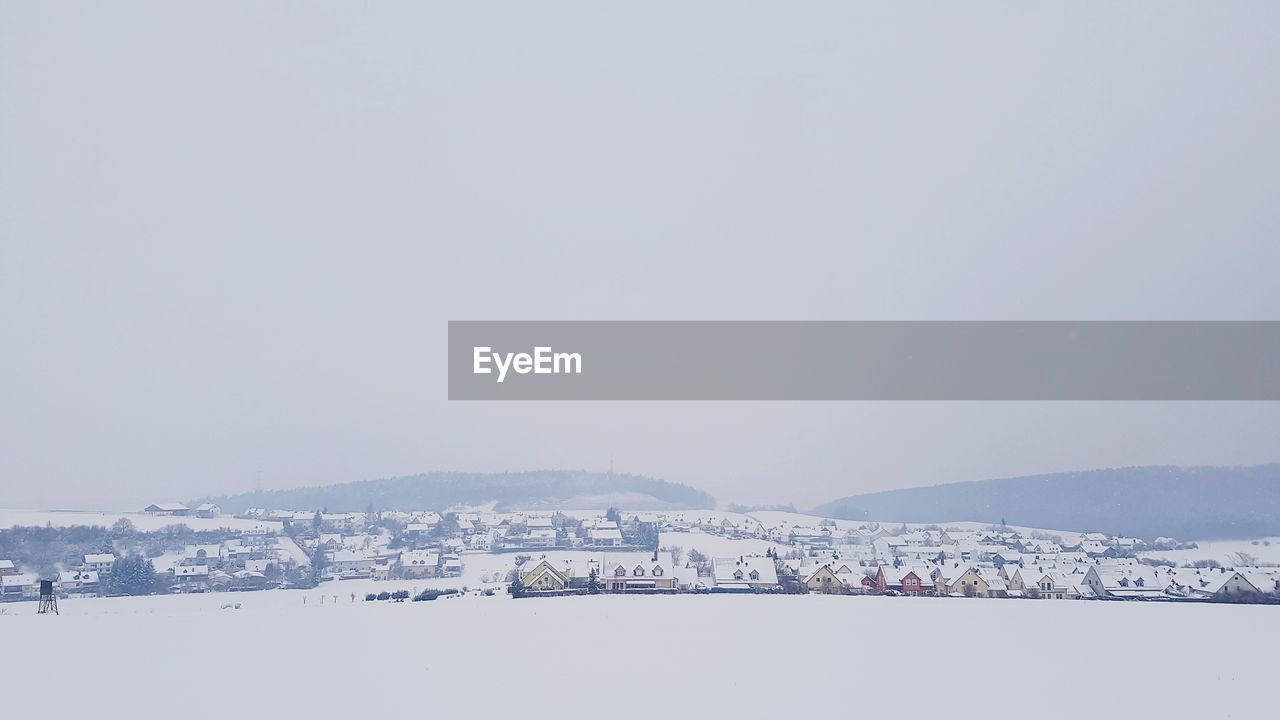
[(969, 584), (824, 580), (544, 577)]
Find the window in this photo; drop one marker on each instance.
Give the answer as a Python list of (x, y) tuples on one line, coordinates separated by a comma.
[(638, 572), (619, 572), (755, 575), (657, 572)]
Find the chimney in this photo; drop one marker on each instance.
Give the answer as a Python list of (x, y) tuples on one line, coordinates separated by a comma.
[(655, 556)]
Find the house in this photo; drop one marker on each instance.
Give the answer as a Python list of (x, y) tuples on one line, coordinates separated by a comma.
[(19, 586), (342, 522), (823, 580), (100, 562), (541, 538), (1210, 583), (1266, 579), (208, 510), (625, 572), (543, 577), (177, 509), (452, 566), (907, 579), (258, 565), (249, 580), (187, 576), (1124, 582), (418, 564), (745, 572), (809, 536), (996, 585), (1097, 549), (78, 582), (8, 568), (874, 580), (427, 518), (605, 537), (211, 554), (350, 564), (616, 572), (961, 580), (381, 569), (545, 523)]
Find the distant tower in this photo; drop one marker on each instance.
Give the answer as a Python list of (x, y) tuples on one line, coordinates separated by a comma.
[(48, 601)]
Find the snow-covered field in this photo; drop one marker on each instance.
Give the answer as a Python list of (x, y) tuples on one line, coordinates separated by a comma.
[(685, 656), (142, 521), (716, 545), (1227, 552)]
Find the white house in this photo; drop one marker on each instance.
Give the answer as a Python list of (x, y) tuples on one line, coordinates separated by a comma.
[(77, 582), (349, 563), (754, 572), (418, 564), (167, 509), (607, 537), (1124, 581), (99, 562)]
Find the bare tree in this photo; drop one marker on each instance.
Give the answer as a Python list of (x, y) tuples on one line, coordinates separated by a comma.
[(676, 551)]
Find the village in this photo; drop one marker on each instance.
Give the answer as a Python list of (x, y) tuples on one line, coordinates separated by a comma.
[(555, 553)]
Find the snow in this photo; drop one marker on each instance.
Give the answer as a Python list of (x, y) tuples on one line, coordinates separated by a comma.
[(1267, 550), (710, 656), (142, 521), (774, 518), (718, 546)]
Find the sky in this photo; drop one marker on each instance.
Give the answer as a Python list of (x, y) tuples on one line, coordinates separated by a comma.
[(232, 234)]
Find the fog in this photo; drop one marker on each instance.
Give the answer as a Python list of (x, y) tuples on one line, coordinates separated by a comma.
[(231, 236)]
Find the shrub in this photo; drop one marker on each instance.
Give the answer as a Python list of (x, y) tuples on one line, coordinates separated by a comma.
[(431, 594)]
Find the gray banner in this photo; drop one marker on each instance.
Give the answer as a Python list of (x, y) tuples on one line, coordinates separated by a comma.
[(839, 360)]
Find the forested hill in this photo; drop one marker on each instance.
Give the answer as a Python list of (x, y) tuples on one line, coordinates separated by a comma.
[(564, 489), (1186, 503)]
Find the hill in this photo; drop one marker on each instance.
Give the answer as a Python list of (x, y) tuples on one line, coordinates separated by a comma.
[(1186, 503), (561, 489)]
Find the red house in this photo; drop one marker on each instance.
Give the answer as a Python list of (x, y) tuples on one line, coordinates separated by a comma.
[(912, 584), (874, 582)]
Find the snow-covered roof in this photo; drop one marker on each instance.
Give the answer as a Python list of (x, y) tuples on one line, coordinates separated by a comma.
[(740, 569), (420, 558), (18, 580)]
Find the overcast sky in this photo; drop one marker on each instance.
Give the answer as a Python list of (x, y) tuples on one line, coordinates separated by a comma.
[(231, 234)]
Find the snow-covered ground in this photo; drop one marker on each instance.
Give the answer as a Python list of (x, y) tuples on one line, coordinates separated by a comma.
[(716, 545), (142, 521), (1227, 552), (772, 518), (684, 656)]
